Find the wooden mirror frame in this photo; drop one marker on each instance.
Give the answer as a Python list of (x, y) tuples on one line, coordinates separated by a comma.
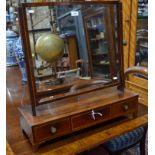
[(27, 50)]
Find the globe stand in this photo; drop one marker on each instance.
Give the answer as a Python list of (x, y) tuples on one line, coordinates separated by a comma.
[(53, 80)]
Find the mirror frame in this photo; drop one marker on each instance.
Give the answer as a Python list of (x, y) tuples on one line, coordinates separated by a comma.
[(27, 50)]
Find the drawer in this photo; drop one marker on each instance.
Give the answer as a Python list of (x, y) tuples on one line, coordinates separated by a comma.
[(124, 107), (89, 118), (52, 130)]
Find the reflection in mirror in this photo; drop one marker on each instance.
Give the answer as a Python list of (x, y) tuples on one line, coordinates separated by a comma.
[(102, 32), (142, 34), (74, 48)]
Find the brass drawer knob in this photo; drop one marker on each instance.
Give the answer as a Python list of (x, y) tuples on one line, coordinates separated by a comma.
[(124, 42), (93, 113), (53, 129), (126, 107)]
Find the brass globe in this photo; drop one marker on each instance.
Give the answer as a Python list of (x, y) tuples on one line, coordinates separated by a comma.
[(50, 47)]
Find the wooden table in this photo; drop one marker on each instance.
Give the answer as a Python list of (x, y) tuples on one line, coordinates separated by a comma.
[(73, 144)]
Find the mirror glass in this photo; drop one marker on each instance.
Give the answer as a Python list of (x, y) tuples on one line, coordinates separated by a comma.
[(74, 48)]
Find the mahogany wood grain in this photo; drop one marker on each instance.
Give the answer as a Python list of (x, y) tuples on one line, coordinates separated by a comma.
[(75, 105), (68, 3), (78, 110), (120, 44), (44, 132), (28, 56), (86, 119), (125, 107), (70, 144)]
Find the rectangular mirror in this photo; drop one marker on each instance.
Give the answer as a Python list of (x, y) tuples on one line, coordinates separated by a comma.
[(71, 48)]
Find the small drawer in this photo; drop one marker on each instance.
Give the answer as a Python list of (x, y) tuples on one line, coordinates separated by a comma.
[(89, 118), (52, 130), (123, 108)]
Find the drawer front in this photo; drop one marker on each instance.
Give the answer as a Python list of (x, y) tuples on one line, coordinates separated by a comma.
[(89, 118), (124, 107), (52, 130)]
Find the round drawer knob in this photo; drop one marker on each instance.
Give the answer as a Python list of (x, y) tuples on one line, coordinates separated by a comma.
[(126, 107), (53, 129)]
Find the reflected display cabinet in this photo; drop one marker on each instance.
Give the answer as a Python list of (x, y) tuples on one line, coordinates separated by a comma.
[(74, 62), (101, 30)]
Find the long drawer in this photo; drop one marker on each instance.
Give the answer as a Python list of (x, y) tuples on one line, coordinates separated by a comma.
[(89, 118), (52, 130)]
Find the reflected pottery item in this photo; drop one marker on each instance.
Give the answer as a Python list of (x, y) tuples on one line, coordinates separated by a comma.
[(20, 59), (50, 47), (11, 38), (11, 13), (7, 17)]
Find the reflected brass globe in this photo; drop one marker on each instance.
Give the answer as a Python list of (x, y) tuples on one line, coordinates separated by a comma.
[(50, 47)]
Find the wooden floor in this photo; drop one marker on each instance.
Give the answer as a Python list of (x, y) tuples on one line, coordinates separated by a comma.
[(18, 94)]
